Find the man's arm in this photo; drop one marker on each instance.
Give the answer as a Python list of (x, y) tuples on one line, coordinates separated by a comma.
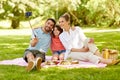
[(34, 41)]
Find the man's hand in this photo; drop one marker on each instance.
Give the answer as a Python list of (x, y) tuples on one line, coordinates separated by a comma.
[(34, 41)]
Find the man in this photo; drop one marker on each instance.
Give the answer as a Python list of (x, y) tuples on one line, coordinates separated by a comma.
[(39, 44)]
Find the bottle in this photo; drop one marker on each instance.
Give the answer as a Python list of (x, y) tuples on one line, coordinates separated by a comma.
[(105, 54)]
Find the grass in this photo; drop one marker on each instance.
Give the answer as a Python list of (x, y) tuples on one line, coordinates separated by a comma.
[(13, 46), (106, 39)]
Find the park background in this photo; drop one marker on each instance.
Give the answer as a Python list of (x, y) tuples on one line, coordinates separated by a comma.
[(99, 19)]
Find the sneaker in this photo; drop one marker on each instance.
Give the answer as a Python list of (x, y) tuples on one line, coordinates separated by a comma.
[(115, 62), (38, 63), (30, 66)]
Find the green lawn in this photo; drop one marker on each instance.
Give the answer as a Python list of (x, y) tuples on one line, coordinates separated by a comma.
[(13, 46)]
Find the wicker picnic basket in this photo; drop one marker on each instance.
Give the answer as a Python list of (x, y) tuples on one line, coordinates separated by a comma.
[(108, 53), (113, 54)]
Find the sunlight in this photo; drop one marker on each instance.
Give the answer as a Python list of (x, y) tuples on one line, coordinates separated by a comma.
[(16, 32)]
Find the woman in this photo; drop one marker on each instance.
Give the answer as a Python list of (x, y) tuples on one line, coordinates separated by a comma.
[(77, 45)]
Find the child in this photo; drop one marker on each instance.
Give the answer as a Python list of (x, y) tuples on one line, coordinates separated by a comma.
[(57, 48)]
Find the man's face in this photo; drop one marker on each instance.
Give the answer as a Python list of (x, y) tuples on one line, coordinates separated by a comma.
[(49, 26)]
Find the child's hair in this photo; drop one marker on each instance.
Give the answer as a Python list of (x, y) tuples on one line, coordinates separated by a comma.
[(58, 28)]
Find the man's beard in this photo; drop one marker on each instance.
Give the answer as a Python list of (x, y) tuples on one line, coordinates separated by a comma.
[(47, 29)]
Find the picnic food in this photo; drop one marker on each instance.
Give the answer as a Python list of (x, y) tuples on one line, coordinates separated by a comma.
[(49, 63), (65, 62), (75, 62)]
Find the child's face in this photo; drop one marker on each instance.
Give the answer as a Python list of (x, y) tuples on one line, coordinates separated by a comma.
[(56, 32)]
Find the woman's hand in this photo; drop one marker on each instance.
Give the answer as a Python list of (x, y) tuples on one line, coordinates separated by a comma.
[(34, 41), (84, 49), (91, 40)]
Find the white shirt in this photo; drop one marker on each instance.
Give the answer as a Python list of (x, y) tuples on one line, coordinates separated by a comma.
[(72, 39)]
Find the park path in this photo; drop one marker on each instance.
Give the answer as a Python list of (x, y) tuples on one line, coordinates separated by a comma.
[(15, 32), (28, 31)]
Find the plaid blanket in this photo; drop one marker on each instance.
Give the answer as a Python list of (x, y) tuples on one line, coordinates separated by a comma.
[(81, 64)]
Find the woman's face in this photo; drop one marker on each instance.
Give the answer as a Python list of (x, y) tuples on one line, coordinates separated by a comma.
[(63, 23), (56, 31)]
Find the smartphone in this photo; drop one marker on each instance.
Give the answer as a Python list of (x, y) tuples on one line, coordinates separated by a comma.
[(27, 14)]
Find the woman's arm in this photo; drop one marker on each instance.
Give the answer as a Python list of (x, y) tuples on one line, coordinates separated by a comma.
[(81, 33), (84, 49), (66, 43)]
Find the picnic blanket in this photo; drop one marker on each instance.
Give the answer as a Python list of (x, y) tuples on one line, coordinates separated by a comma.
[(21, 62)]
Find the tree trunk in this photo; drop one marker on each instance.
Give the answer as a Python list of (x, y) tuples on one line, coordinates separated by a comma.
[(15, 23)]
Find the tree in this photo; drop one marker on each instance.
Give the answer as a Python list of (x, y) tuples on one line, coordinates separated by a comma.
[(14, 10), (83, 12)]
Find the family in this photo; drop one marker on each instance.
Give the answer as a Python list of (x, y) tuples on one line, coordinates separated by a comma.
[(64, 41)]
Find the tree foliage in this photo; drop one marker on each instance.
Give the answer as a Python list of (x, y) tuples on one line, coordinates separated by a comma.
[(97, 13), (14, 10)]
